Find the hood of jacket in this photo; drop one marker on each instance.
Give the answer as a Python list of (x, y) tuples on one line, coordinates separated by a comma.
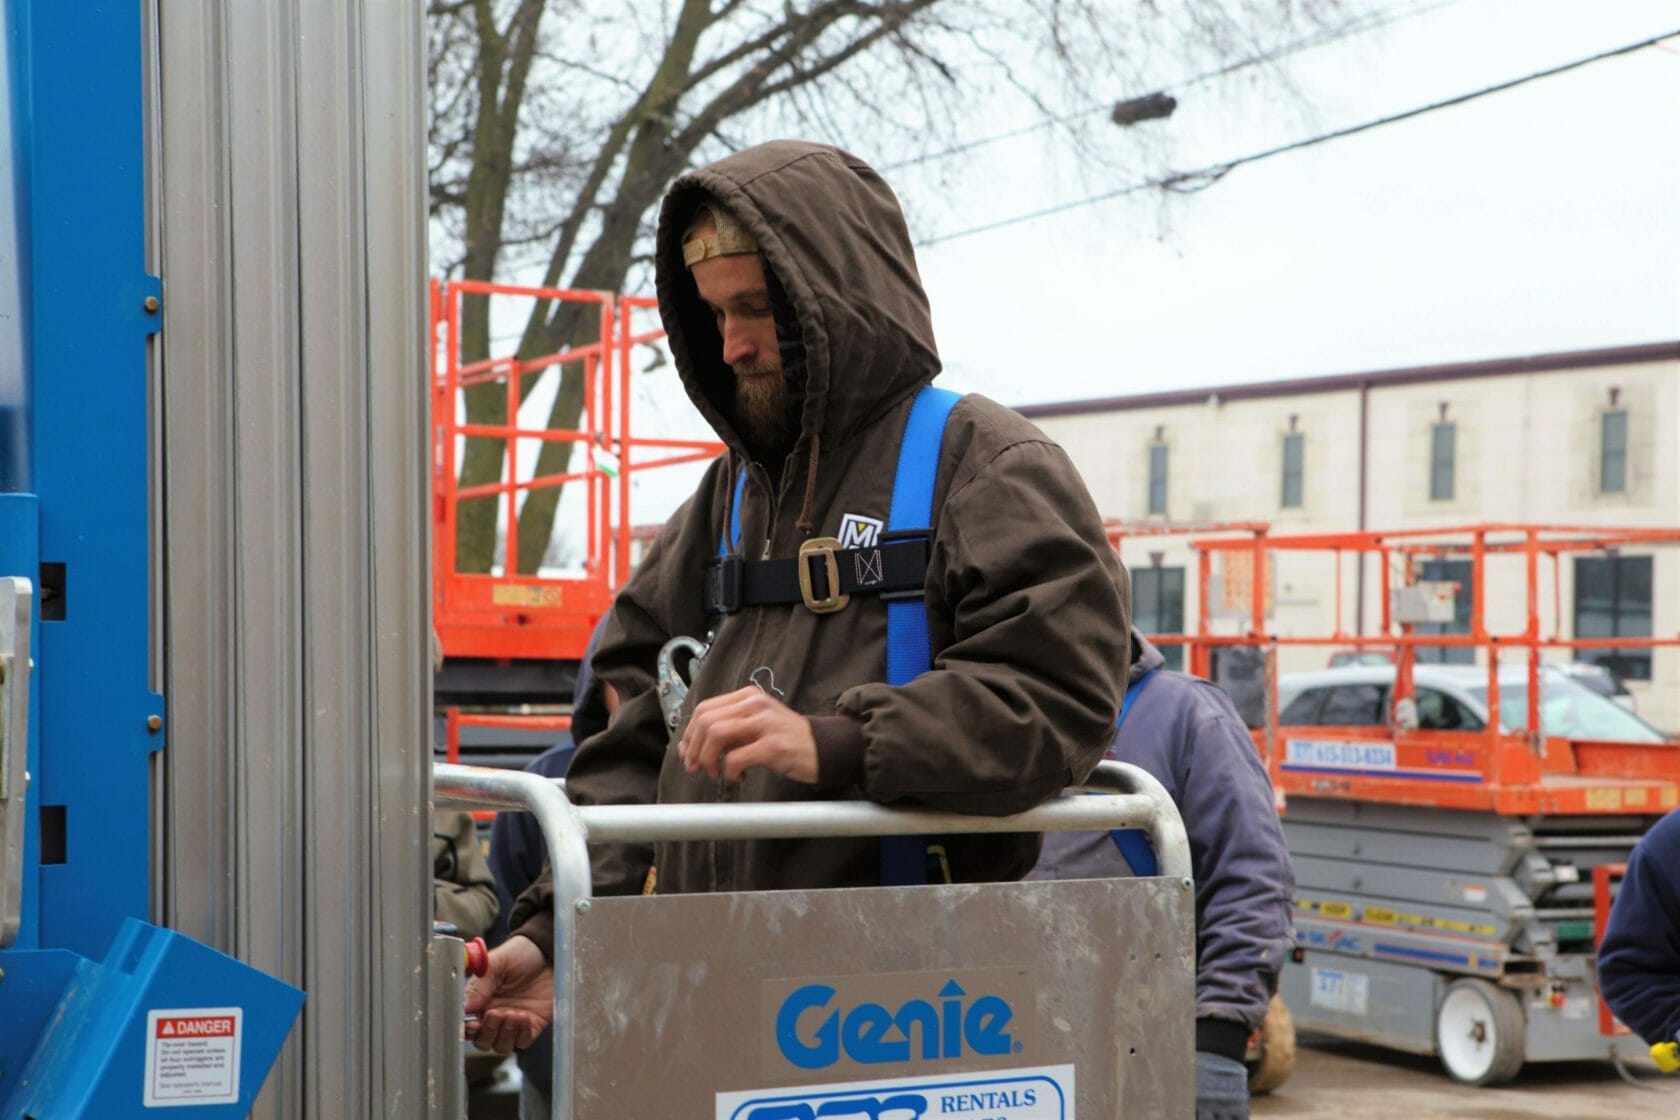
[(1146, 657), (831, 231)]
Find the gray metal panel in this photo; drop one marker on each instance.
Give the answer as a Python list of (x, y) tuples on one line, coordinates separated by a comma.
[(268, 638), (16, 598), (334, 515), (1570, 1032), (1398, 818), (1131, 798), (1107, 965), (1474, 901), (188, 180), (392, 73), (1445, 953), (446, 986), (1491, 854), (1391, 1005), (292, 232)]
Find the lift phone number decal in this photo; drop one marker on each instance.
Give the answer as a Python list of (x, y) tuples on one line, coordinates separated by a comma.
[(1042, 1093)]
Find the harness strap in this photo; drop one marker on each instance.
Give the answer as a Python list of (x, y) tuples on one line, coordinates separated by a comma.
[(897, 566), (1133, 842), (896, 570), (730, 538), (914, 859)]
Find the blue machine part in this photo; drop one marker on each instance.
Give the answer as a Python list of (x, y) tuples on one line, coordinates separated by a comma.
[(80, 189), (164, 1022)]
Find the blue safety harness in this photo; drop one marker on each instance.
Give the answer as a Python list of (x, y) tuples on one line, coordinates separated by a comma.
[(1132, 842), (904, 859)]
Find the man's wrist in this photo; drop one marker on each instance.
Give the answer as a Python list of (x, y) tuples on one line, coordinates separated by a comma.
[(1225, 1037), (840, 748), (539, 931)]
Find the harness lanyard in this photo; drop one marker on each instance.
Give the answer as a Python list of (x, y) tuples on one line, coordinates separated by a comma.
[(1133, 842)]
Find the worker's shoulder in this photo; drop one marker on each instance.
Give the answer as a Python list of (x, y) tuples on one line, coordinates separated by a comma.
[(983, 436), (1663, 839), (988, 423), (1195, 700)]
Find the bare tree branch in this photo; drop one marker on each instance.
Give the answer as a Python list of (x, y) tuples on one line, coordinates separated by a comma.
[(555, 127)]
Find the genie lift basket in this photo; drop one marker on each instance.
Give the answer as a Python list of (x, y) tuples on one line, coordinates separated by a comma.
[(1027, 1000)]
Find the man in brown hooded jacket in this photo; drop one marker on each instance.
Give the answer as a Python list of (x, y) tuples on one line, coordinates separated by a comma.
[(790, 297)]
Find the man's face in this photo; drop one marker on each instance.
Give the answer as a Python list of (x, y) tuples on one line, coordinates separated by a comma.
[(733, 288)]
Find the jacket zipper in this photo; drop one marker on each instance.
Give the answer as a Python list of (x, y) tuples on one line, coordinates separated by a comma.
[(720, 866)]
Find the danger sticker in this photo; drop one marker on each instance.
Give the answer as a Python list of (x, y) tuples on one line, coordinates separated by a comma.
[(192, 1056)]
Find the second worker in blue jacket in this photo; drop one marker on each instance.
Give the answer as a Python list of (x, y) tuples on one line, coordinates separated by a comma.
[(1186, 733), (1639, 959)]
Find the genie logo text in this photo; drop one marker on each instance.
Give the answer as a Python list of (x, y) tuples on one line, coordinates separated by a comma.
[(905, 1019)]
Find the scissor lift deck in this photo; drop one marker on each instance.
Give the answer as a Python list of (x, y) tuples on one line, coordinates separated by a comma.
[(1021, 1000), (1397, 903), (1444, 879)]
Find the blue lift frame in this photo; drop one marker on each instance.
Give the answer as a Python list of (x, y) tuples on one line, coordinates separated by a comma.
[(86, 970)]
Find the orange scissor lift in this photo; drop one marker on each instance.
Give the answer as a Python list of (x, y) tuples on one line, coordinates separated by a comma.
[(1451, 884), (511, 641)]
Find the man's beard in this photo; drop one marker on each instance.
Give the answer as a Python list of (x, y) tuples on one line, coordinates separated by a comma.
[(761, 406)]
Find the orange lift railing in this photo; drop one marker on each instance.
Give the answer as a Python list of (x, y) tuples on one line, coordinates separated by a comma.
[(505, 614), (455, 719), (1508, 771), (1603, 875)]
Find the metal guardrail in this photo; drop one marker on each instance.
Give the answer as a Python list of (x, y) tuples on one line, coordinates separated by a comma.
[(1128, 798)]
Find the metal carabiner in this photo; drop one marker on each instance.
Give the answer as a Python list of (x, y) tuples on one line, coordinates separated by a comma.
[(673, 689)]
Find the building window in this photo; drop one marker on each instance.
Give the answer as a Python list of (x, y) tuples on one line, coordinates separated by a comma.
[(1158, 607), (1613, 600), (1447, 571), (1612, 451), (1294, 453), (1443, 441), (1158, 478)]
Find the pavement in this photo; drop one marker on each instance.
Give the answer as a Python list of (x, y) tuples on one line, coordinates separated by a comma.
[(1335, 1080)]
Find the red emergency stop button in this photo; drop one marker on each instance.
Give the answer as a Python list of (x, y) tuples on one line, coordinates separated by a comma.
[(478, 957)]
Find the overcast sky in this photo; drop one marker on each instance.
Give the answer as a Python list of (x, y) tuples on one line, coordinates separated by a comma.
[(1539, 219)]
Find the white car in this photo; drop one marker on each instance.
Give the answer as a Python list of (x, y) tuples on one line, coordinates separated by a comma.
[(1454, 698)]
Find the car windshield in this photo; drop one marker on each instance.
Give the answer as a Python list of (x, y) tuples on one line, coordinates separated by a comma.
[(1570, 711)]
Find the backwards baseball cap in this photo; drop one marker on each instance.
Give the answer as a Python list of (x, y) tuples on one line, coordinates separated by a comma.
[(728, 238)]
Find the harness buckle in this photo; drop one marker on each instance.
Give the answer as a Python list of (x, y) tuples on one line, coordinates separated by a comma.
[(724, 578), (825, 548)]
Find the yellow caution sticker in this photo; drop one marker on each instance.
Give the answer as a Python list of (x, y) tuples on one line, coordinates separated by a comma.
[(1382, 915), (1605, 797), (524, 595)]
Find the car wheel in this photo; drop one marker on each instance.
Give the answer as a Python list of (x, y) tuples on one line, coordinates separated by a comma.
[(1480, 1033)]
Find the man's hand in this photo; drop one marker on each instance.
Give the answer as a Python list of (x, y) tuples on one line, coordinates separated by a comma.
[(748, 727), (514, 999)]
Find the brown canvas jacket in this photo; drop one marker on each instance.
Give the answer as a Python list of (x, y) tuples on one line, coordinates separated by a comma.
[(1028, 610)]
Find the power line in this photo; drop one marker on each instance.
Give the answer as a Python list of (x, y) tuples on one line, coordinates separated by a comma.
[(1336, 34), (1207, 176)]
